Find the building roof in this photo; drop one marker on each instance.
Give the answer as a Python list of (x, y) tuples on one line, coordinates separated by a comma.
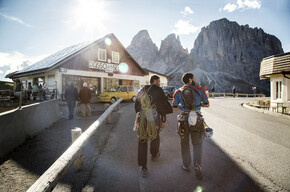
[(147, 71), (54, 60), (275, 64)]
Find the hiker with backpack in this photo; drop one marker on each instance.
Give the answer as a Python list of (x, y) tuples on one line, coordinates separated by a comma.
[(150, 107), (190, 121)]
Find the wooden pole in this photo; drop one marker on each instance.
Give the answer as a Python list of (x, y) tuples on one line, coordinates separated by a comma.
[(108, 119), (118, 107), (20, 99), (75, 133)]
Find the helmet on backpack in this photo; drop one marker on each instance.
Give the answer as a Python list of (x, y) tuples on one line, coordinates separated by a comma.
[(208, 132)]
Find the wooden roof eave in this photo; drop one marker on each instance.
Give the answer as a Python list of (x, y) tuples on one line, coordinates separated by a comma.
[(142, 70), (268, 76)]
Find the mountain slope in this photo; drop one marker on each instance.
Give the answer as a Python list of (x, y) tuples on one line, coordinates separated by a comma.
[(225, 54)]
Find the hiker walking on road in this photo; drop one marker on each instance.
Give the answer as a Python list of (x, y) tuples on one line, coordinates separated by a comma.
[(190, 121), (71, 96), (85, 97), (234, 91), (212, 91), (152, 120)]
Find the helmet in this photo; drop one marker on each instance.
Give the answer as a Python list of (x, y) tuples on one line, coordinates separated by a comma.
[(208, 132), (85, 84)]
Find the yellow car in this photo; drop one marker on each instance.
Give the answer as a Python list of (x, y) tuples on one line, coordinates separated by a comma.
[(127, 92)]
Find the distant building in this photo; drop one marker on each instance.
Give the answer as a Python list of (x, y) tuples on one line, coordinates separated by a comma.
[(102, 64), (163, 78), (277, 69)]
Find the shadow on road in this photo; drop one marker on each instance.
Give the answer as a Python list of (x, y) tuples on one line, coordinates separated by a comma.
[(111, 164), (117, 170), (21, 168)]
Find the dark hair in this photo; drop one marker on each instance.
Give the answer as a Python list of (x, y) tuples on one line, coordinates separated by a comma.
[(153, 78), (186, 76)]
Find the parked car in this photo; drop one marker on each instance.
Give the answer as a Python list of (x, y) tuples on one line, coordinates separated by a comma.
[(126, 92), (169, 91)]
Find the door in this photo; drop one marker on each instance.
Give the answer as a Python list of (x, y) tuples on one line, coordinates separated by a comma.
[(123, 92), (131, 92)]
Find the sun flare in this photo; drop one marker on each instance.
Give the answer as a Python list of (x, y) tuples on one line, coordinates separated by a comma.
[(91, 14)]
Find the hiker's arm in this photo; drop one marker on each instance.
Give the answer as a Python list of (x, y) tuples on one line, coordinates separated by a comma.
[(205, 102), (175, 101), (137, 102), (137, 105)]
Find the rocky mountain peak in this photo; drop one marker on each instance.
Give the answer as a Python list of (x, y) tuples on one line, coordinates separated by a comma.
[(143, 39), (171, 50), (227, 47), (143, 49)]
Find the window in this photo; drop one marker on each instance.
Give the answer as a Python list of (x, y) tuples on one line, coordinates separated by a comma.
[(102, 54), (123, 89), (131, 89), (115, 57), (278, 89)]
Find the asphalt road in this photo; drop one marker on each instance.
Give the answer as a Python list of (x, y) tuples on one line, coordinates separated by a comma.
[(248, 152), (257, 142)]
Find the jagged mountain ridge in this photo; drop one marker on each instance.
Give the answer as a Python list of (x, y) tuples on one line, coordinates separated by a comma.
[(224, 54)]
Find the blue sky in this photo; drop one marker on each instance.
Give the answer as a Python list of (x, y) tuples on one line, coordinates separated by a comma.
[(33, 29)]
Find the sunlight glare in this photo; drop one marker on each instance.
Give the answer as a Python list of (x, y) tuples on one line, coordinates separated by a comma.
[(123, 67), (108, 41), (91, 15)]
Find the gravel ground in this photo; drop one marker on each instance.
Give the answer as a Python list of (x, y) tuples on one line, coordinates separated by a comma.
[(21, 168)]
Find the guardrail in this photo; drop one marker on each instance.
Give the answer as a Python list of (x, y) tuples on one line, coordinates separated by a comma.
[(5, 95), (236, 95), (49, 179)]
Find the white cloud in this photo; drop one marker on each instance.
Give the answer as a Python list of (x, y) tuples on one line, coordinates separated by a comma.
[(230, 7), (187, 11), (16, 61), (242, 4), (1, 72), (252, 4), (16, 20), (184, 28)]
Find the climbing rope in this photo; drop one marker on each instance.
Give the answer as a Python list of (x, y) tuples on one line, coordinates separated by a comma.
[(147, 128)]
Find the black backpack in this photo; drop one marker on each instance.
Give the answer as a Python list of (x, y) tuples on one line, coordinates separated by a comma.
[(187, 95)]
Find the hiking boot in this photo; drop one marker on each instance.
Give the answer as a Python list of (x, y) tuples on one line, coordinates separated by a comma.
[(198, 171), (154, 158), (187, 169), (144, 172)]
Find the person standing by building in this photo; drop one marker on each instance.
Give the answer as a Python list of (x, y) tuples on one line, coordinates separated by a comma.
[(158, 101), (85, 97), (29, 91), (44, 89), (18, 86), (71, 96), (34, 91), (191, 98)]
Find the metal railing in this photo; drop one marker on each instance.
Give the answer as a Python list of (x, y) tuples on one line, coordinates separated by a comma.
[(236, 95), (49, 179)]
